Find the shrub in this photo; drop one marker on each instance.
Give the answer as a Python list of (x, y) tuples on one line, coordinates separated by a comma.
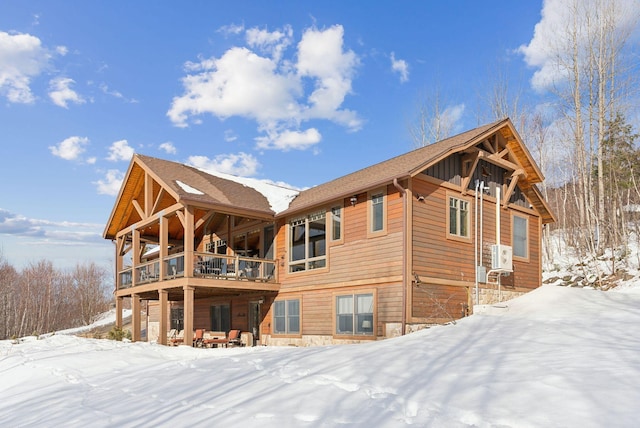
[(118, 334)]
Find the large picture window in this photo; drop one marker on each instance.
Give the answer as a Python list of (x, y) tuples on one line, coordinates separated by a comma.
[(354, 314), (520, 227), (307, 242), (286, 316), (458, 217)]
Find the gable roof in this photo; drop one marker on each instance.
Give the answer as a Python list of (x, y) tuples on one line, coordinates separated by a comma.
[(184, 184), (416, 161)]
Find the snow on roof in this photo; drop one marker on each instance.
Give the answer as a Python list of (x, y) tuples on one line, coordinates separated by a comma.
[(189, 189), (278, 194)]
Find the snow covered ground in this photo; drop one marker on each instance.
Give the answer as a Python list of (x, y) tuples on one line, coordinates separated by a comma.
[(558, 357)]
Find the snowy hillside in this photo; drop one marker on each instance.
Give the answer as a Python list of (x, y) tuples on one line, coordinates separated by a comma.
[(559, 357)]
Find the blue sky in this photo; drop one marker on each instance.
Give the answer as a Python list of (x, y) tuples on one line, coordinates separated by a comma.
[(295, 91)]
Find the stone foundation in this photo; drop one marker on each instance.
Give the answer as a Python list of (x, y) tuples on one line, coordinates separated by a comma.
[(492, 296)]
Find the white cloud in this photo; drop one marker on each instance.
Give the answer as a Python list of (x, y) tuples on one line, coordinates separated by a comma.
[(231, 29), (450, 120), (241, 164), (20, 225), (70, 148), (61, 93), (273, 43), (117, 94), (321, 57), (270, 89), (401, 67), (288, 140), (120, 151), (550, 46), (22, 57), (111, 183), (230, 136), (169, 148)]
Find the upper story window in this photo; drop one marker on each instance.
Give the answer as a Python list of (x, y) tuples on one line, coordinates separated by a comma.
[(520, 238), (458, 217), (376, 219), (336, 223), (308, 242)]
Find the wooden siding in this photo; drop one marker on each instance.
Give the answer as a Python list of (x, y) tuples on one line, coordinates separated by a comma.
[(436, 256), (318, 307), (356, 258), (439, 303)]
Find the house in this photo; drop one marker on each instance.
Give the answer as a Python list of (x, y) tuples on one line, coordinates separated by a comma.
[(400, 245)]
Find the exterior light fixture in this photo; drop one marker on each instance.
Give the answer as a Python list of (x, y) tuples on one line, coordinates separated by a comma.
[(354, 200)]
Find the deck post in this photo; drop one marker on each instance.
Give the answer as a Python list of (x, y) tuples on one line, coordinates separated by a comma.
[(135, 318), (164, 309), (119, 301), (188, 314)]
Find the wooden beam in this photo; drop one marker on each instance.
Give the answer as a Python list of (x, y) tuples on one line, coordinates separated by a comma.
[(514, 180), (466, 175), (204, 219), (138, 208), (487, 145), (157, 201), (148, 194)]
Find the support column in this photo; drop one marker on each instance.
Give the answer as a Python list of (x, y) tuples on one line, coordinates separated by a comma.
[(164, 246), (188, 314), (135, 318), (119, 302), (164, 311), (188, 242)]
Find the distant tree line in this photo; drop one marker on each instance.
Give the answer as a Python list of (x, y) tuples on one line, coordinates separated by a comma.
[(41, 299)]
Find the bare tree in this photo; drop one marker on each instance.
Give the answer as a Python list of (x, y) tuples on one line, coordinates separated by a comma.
[(435, 121)]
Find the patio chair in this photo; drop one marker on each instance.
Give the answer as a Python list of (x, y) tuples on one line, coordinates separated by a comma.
[(234, 338), (198, 337)]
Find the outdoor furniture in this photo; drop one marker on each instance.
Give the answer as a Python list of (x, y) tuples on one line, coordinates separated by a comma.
[(234, 338), (178, 339), (198, 338), (214, 338)]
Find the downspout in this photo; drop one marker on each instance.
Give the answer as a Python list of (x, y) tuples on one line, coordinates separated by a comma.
[(475, 243), (403, 192)]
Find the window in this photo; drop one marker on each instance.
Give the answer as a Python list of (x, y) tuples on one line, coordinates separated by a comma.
[(354, 314), (177, 318), (221, 317), (377, 212), (336, 223), (458, 217), (286, 316), (520, 234), (307, 242), (218, 247)]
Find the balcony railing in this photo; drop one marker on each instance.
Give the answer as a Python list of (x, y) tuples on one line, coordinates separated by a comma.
[(234, 267), (205, 265)]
